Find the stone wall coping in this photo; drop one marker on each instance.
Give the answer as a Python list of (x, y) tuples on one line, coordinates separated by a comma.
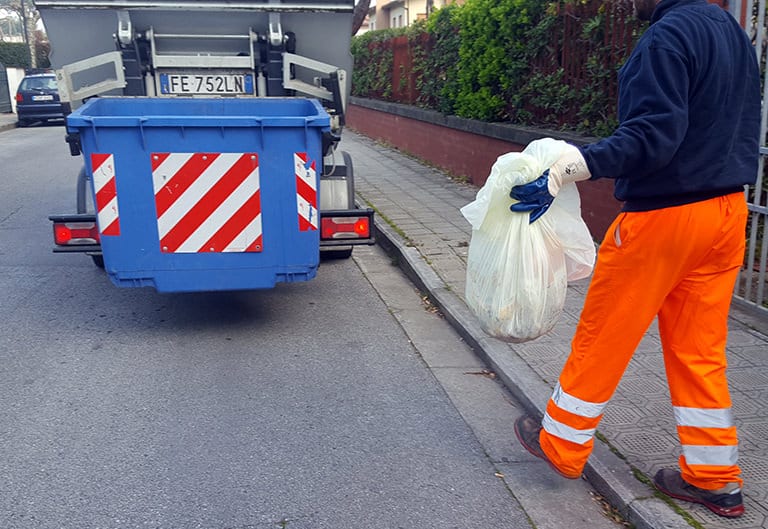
[(501, 131)]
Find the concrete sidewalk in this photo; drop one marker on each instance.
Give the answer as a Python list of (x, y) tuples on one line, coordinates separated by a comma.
[(418, 220), (8, 121)]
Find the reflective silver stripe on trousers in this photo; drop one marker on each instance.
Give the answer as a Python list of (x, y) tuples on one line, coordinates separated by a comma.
[(704, 417), (564, 431), (719, 456), (575, 405)]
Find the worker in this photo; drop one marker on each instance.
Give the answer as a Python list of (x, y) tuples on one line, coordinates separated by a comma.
[(686, 145)]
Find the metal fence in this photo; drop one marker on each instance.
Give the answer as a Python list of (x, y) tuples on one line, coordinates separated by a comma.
[(751, 286), (5, 94), (590, 40)]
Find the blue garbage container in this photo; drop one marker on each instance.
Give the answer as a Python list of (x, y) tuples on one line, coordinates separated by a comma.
[(196, 194)]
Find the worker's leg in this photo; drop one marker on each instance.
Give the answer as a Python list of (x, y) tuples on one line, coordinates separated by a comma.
[(694, 325), (634, 273), (643, 258)]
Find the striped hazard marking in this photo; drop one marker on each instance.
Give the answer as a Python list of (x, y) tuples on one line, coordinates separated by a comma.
[(207, 202), (107, 214), (306, 191)]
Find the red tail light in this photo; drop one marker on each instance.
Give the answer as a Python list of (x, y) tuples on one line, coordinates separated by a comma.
[(75, 233), (19, 98), (345, 228)]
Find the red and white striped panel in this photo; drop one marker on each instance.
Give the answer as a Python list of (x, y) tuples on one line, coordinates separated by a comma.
[(207, 202), (306, 191), (107, 214)]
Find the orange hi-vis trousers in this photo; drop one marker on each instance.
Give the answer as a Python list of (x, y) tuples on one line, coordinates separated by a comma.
[(680, 264)]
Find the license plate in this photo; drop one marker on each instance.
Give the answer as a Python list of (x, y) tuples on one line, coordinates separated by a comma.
[(42, 98), (214, 84)]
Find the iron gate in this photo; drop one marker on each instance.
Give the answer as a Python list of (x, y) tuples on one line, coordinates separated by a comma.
[(751, 286), (5, 94)]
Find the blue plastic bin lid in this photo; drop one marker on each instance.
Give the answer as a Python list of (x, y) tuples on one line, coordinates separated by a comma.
[(198, 112)]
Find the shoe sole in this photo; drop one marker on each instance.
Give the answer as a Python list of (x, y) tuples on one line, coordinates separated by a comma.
[(541, 456), (726, 512)]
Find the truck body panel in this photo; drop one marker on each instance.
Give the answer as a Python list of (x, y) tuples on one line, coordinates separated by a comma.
[(206, 146)]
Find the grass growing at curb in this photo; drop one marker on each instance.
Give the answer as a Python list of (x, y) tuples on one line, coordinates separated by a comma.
[(604, 439), (389, 221), (642, 478), (457, 178)]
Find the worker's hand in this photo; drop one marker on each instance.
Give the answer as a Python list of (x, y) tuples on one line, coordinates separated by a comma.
[(536, 197)]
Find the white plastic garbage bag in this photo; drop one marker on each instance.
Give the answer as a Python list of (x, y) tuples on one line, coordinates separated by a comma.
[(517, 272)]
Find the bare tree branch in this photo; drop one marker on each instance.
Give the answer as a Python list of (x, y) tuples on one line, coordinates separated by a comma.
[(361, 10)]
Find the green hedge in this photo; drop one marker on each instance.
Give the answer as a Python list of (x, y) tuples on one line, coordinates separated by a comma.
[(495, 53), (373, 58), (14, 55), (505, 61)]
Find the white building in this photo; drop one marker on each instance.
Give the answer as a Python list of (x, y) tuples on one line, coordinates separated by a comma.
[(401, 13)]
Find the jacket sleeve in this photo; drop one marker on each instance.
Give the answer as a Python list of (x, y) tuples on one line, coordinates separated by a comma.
[(653, 115)]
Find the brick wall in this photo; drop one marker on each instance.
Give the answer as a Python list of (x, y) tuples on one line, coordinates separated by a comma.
[(470, 155), (460, 153)]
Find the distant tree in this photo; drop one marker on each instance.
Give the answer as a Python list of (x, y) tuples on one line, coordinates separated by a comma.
[(25, 10), (42, 50)]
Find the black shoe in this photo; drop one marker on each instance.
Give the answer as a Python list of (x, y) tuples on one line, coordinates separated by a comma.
[(726, 501), (527, 431)]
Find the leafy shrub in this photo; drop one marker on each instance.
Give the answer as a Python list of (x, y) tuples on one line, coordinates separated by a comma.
[(436, 62), (540, 63), (373, 63), (494, 54), (14, 55)]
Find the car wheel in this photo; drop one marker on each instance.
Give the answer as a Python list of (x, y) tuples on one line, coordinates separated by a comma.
[(23, 123), (98, 260)]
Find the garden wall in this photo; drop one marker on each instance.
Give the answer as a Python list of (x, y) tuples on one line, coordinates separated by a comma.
[(467, 149)]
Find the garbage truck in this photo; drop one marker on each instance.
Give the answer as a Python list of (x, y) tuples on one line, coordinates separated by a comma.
[(210, 133)]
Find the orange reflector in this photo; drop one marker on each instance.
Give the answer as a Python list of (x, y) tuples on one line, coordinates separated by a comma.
[(362, 228), (75, 233)]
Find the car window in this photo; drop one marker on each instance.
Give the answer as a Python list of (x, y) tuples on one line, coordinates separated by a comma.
[(38, 83)]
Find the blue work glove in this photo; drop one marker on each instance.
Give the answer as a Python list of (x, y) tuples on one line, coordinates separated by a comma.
[(533, 196), (536, 197)]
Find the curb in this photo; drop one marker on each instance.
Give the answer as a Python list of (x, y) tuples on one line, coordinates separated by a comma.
[(608, 473)]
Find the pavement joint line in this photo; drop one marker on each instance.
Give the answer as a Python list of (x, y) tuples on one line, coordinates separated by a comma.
[(644, 511)]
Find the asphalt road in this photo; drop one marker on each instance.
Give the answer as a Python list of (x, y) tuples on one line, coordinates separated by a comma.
[(344, 402)]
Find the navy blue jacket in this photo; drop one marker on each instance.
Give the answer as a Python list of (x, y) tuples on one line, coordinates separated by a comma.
[(689, 111)]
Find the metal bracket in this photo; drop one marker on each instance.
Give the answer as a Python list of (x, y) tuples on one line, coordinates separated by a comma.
[(275, 30), (70, 94), (124, 28), (290, 59), (200, 60)]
